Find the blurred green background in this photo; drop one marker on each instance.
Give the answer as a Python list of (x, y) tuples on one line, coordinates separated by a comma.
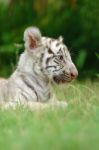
[(76, 20)]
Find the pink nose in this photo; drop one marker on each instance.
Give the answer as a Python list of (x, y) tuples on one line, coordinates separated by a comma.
[(74, 74)]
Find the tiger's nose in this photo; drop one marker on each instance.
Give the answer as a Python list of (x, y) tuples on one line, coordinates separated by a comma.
[(73, 73)]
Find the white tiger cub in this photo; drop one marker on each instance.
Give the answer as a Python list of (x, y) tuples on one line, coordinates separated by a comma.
[(45, 60)]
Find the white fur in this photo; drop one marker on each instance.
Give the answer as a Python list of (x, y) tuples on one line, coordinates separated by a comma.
[(28, 85)]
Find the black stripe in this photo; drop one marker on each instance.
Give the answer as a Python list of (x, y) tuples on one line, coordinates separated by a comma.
[(30, 86), (47, 60), (24, 96), (58, 69), (56, 61), (41, 58), (22, 90), (50, 67)]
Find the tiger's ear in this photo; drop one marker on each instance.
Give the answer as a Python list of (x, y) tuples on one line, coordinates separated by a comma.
[(60, 39), (32, 38)]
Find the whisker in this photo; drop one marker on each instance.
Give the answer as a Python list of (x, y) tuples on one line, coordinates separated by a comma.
[(73, 52)]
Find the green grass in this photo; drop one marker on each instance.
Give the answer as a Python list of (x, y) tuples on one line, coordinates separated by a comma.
[(76, 128)]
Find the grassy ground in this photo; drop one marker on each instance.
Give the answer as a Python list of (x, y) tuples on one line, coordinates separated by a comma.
[(76, 128)]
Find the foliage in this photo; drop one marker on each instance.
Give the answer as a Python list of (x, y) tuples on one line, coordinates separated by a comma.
[(77, 21)]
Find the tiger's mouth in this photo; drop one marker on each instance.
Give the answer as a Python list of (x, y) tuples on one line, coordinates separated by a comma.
[(61, 79)]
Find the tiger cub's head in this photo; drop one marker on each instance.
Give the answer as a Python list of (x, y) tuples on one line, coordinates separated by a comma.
[(52, 54)]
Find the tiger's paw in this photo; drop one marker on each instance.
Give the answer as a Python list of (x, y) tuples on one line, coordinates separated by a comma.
[(59, 104), (62, 104)]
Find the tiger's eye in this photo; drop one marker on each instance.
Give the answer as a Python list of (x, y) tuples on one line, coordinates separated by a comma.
[(61, 57)]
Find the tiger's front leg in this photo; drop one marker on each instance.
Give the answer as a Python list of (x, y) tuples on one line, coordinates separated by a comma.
[(53, 103), (35, 106)]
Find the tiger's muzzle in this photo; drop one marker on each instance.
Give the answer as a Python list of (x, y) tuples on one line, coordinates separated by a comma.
[(66, 77)]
